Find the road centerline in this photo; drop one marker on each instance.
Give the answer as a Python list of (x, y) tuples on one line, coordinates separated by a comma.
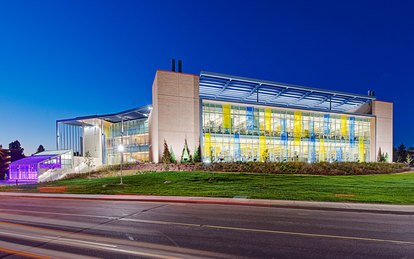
[(114, 219)]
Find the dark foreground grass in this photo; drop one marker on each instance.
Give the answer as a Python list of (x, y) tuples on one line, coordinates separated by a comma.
[(395, 188)]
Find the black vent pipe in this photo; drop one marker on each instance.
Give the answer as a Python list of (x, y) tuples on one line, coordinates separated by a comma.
[(180, 66)]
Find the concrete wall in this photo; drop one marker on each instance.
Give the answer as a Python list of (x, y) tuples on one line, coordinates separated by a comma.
[(93, 142), (175, 115), (384, 127)]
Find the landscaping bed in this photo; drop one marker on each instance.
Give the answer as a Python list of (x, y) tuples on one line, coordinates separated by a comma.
[(323, 168)]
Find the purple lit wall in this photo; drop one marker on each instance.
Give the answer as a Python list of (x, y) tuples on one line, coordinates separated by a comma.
[(52, 163), (23, 172), (28, 168)]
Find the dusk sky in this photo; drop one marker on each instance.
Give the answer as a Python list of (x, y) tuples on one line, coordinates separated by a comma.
[(63, 59)]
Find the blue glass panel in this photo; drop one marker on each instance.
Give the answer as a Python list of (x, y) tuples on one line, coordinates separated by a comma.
[(312, 142), (283, 132), (326, 124), (237, 146), (352, 131), (338, 154), (250, 118)]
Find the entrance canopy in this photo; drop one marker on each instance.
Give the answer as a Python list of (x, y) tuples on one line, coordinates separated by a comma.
[(222, 87)]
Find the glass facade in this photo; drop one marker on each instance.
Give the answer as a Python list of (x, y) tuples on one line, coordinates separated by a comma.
[(235, 132), (70, 137), (135, 141)]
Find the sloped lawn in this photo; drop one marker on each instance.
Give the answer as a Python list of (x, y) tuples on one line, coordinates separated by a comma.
[(393, 188)]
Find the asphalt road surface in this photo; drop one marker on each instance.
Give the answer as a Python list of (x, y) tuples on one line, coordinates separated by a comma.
[(55, 228)]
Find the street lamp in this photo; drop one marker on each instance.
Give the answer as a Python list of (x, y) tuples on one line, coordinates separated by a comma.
[(121, 150)]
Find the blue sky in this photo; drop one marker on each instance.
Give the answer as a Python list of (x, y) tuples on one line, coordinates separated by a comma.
[(62, 59)]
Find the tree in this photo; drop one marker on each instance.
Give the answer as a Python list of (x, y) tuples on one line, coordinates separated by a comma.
[(40, 149), (185, 156), (16, 151), (197, 154), (166, 156), (89, 162), (166, 160), (379, 155), (401, 154), (409, 159), (173, 159), (267, 167)]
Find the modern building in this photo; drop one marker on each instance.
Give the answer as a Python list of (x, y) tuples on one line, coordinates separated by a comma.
[(236, 119)]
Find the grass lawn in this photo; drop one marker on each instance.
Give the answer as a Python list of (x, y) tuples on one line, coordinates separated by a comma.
[(395, 188)]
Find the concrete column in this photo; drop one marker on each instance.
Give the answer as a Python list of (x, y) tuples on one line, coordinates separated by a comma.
[(384, 127), (175, 114), (83, 139)]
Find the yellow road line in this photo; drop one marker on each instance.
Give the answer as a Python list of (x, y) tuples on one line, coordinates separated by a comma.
[(312, 235), (221, 227), (24, 254), (270, 231)]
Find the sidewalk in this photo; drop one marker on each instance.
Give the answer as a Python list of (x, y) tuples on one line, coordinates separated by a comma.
[(312, 205)]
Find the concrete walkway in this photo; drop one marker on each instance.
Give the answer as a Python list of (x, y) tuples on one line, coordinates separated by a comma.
[(313, 205)]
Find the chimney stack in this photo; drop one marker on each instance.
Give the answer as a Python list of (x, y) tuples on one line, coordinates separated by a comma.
[(180, 66), (173, 65)]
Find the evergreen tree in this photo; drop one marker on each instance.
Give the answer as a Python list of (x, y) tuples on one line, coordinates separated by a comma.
[(166, 156), (379, 155), (16, 151), (173, 159), (185, 156), (401, 154), (197, 154), (40, 149)]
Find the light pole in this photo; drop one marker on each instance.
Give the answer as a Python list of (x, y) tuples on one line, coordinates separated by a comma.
[(121, 150)]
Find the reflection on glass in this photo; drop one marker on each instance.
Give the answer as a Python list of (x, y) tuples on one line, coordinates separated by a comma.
[(258, 134)]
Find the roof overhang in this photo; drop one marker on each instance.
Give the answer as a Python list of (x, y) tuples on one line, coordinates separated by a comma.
[(132, 114), (228, 88)]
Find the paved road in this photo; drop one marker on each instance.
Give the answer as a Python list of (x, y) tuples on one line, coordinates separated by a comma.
[(120, 229)]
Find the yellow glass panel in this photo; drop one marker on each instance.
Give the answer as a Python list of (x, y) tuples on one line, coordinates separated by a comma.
[(268, 119), (226, 116), (207, 150), (298, 127), (361, 150), (262, 148), (322, 151), (344, 131)]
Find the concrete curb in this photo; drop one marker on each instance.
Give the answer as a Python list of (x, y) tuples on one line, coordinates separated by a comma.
[(311, 205)]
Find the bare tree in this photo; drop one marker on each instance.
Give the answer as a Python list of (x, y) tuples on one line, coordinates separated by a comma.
[(89, 162)]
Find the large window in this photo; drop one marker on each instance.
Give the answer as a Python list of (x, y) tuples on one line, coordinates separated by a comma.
[(135, 140), (248, 133)]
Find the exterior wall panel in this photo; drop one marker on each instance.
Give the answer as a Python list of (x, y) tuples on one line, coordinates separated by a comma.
[(384, 137), (175, 114)]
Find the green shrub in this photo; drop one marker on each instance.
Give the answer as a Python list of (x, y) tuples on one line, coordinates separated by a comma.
[(322, 168)]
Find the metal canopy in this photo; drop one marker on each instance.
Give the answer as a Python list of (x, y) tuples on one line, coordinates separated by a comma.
[(222, 87), (133, 114)]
